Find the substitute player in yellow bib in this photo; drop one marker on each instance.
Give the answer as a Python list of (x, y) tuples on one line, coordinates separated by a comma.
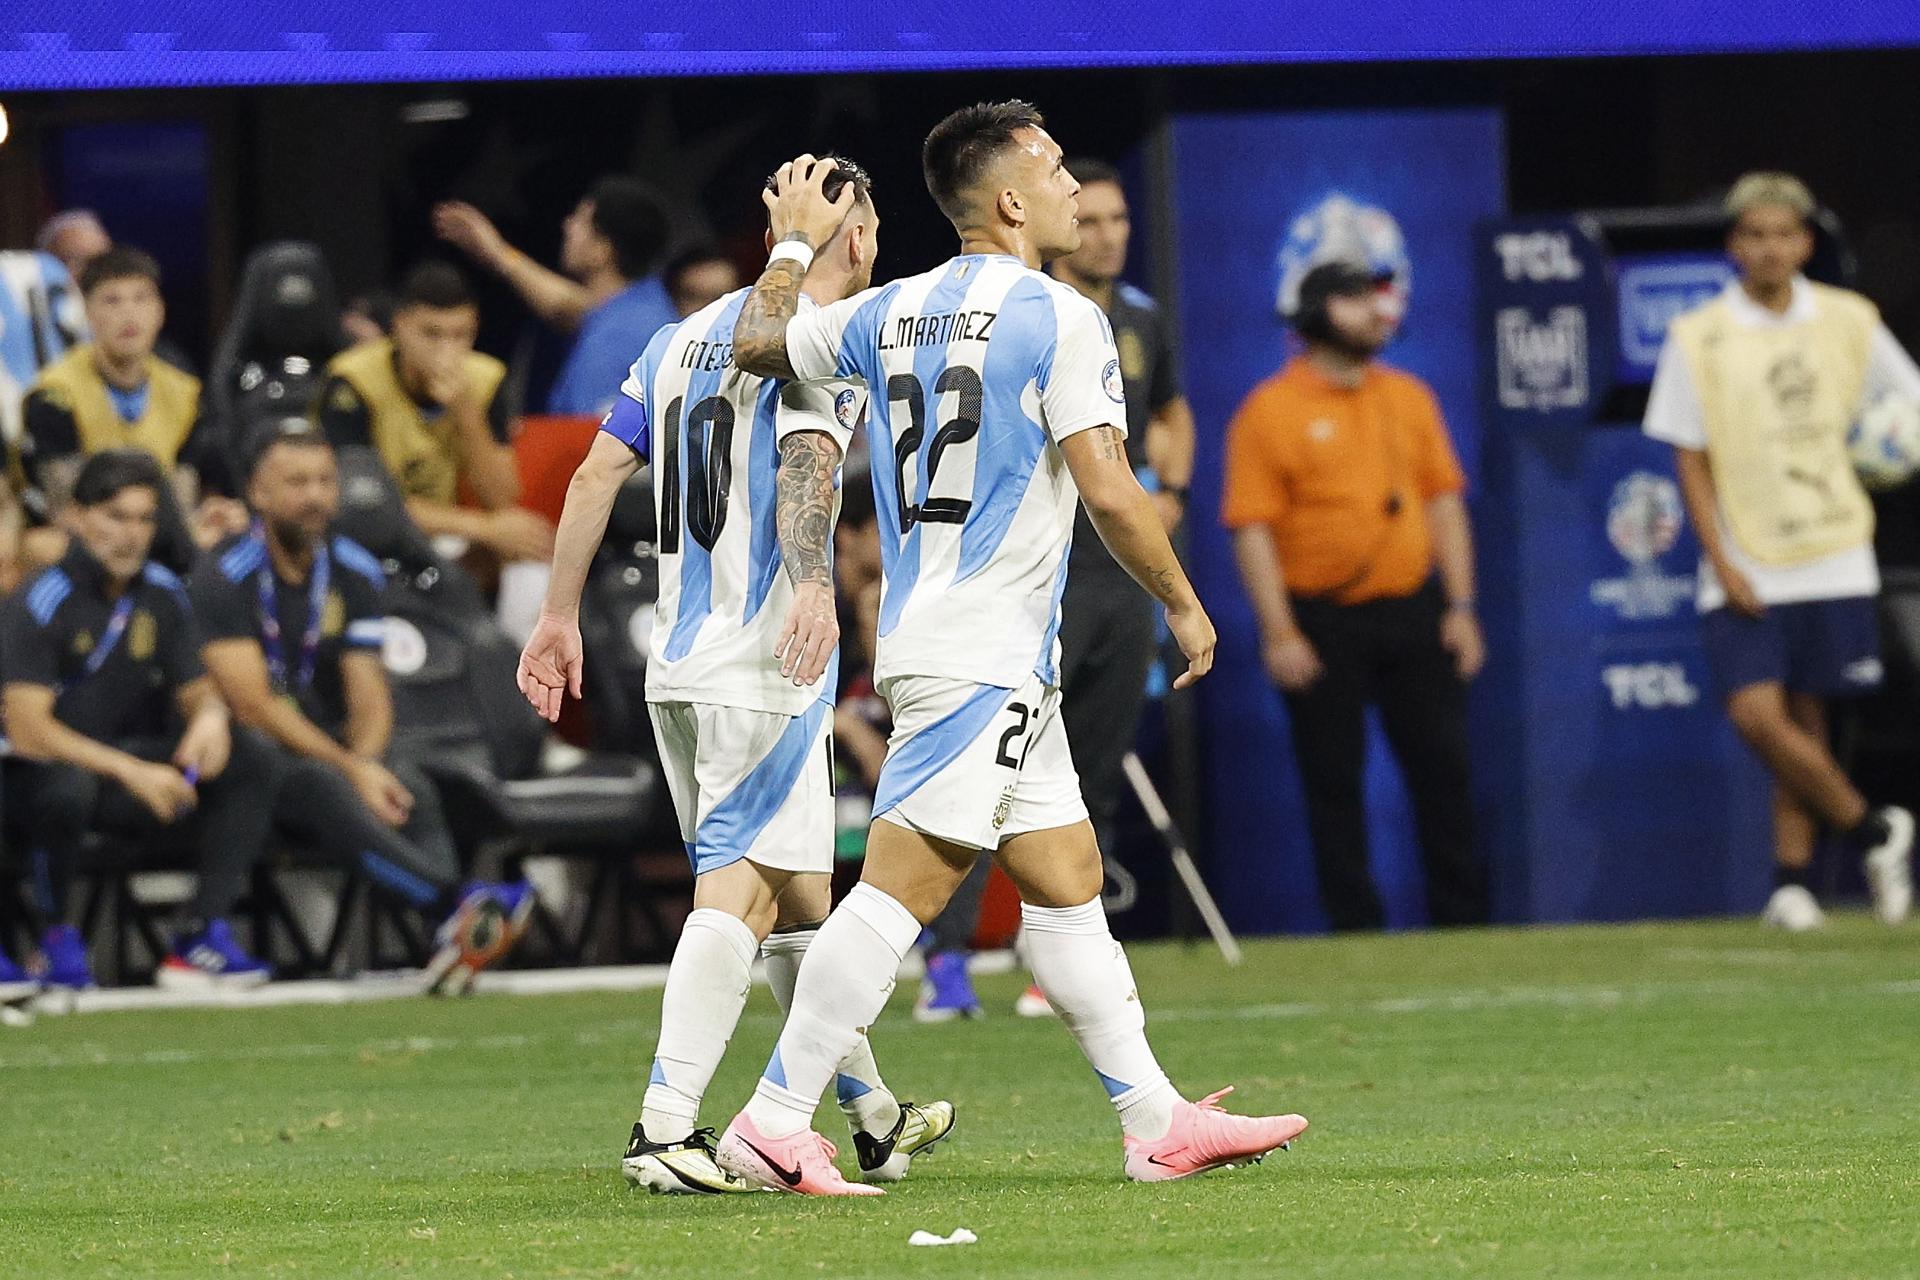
[(1755, 391)]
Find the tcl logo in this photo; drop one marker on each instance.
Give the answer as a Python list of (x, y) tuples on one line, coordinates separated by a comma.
[(1537, 255), (1648, 686)]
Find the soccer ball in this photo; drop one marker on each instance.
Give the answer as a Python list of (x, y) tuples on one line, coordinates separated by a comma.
[(1885, 442)]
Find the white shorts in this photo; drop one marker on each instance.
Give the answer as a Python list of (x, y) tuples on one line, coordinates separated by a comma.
[(749, 784), (976, 764)]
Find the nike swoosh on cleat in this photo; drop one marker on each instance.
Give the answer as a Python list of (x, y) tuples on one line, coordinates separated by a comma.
[(1162, 1163), (790, 1177)]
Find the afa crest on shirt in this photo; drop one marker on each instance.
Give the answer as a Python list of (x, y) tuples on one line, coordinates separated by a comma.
[(845, 406), (142, 634), (1110, 379), (333, 619)]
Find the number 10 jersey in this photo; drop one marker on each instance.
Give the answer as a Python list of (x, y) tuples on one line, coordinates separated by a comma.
[(711, 434), (977, 370)]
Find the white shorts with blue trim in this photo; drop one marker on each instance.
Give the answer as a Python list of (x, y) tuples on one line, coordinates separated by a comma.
[(976, 764), (749, 784)]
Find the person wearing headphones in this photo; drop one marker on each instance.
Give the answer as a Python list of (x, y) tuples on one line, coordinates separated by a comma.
[(1345, 501)]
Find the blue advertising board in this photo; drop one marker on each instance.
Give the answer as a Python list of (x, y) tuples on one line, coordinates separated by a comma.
[(1618, 790), (1250, 188)]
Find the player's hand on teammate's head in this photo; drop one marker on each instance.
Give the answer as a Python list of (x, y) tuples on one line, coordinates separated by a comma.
[(550, 665), (799, 202)]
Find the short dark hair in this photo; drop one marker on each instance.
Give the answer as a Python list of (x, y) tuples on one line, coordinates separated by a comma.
[(1086, 171), (960, 147), (845, 172), (122, 262), (262, 437), (627, 213), (438, 285), (112, 472), (689, 258)]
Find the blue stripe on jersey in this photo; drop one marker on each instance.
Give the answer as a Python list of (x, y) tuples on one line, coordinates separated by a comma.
[(158, 575), (243, 559), (349, 554), (45, 596), (731, 826), (927, 752), (696, 565), (929, 362), (860, 357), (1010, 442), (1043, 665), (763, 467)]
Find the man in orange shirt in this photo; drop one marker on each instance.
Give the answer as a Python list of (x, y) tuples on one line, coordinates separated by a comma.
[(1344, 496)]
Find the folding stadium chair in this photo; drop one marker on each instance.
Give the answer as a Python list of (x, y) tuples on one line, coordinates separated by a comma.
[(285, 327), (462, 719), (616, 615)]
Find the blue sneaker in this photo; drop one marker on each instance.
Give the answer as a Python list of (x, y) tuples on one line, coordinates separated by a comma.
[(15, 984), (482, 929), (63, 959), (947, 991), (210, 960)]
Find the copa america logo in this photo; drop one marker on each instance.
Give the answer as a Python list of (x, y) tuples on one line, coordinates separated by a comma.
[(1338, 228), (1643, 517)]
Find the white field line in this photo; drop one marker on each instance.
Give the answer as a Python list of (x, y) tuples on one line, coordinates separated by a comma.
[(622, 1033)]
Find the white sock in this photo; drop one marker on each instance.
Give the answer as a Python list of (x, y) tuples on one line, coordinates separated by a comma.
[(841, 990), (864, 1098), (1087, 980), (706, 989)]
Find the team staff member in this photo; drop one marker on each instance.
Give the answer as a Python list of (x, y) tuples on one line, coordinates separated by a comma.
[(1755, 391), (291, 624), (605, 290), (116, 727), (1344, 496), (429, 404), (114, 393)]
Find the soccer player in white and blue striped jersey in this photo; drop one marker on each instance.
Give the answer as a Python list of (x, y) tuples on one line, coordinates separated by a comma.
[(996, 396), (745, 491)]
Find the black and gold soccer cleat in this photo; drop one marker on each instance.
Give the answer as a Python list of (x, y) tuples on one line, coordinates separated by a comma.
[(683, 1168), (920, 1126)]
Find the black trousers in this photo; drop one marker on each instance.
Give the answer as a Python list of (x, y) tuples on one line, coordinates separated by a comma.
[(1386, 653), (57, 805), (319, 809), (263, 789), (1107, 634), (1107, 631)]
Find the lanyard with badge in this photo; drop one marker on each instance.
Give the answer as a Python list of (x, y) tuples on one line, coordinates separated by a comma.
[(271, 642), (109, 639)]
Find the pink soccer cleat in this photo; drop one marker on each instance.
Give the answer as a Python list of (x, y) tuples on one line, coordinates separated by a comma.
[(1204, 1137), (802, 1163)]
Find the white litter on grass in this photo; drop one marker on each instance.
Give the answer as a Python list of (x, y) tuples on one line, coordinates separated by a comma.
[(961, 1236)]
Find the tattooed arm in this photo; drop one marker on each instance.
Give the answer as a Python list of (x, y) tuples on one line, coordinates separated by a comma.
[(1130, 525), (803, 517), (798, 212), (760, 335)]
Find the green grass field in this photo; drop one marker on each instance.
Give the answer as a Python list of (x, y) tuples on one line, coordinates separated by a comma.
[(1702, 1100)]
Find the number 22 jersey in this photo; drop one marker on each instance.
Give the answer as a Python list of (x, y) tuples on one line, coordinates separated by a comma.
[(711, 434), (976, 370)]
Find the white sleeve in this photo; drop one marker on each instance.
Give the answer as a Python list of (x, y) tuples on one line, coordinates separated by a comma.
[(1674, 413), (1081, 388), (816, 339), (833, 408), (1889, 368)]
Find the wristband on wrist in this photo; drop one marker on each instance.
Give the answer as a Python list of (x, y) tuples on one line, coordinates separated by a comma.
[(798, 250)]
